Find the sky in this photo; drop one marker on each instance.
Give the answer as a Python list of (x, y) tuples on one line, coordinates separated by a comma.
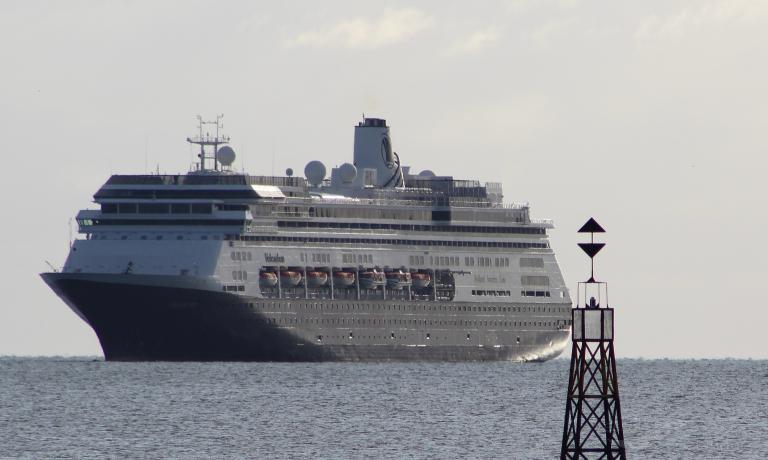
[(650, 116)]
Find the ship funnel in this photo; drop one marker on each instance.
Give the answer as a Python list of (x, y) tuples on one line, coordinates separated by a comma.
[(376, 162)]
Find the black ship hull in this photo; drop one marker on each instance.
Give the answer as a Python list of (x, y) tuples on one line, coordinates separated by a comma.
[(144, 318)]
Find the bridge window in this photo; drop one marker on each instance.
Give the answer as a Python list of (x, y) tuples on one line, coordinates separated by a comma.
[(180, 208), (153, 208), (109, 208), (201, 208)]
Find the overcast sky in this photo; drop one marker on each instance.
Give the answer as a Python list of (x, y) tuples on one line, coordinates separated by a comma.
[(651, 116)]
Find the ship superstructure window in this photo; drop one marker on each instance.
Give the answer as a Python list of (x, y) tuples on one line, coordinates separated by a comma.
[(241, 255), (109, 208), (446, 261), (531, 280), (232, 207), (202, 208), (358, 241), (481, 292), (535, 293), (157, 208), (501, 262), (357, 258), (416, 260), (240, 275), (180, 208), (406, 227), (531, 262), (321, 258), (352, 212), (153, 208), (127, 208)]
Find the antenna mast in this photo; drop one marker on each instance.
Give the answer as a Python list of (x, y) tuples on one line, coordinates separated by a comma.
[(204, 140)]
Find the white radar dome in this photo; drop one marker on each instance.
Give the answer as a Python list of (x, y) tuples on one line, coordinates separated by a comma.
[(226, 155), (314, 172), (347, 172), (427, 173)]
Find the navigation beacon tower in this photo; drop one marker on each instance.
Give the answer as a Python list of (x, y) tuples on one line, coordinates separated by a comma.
[(592, 426)]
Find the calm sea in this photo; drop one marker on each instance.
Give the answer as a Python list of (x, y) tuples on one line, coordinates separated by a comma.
[(87, 408)]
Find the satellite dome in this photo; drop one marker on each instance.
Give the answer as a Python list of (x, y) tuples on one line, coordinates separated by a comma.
[(347, 172), (427, 173), (226, 156), (314, 172), (289, 172)]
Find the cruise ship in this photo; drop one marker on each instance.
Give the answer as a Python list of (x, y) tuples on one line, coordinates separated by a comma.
[(370, 263)]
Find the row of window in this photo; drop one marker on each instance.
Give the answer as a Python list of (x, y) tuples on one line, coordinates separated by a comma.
[(412, 227), (160, 194), (416, 260), (111, 236), (233, 288), (316, 258), (492, 293), (392, 336), (240, 275), (174, 222), (157, 208), (412, 322), (204, 179), (446, 261), (357, 258), (534, 293), (241, 255), (350, 212), (376, 306), (486, 262), (531, 262), (534, 280), (448, 243), (321, 258)]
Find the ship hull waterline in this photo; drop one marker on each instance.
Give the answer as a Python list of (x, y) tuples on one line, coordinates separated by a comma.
[(136, 319)]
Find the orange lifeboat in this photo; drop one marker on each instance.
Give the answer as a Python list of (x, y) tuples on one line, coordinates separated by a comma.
[(267, 279), (343, 279), (372, 279), (421, 280), (398, 280), (290, 278), (317, 278)]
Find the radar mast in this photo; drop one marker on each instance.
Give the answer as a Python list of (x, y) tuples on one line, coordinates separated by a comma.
[(206, 139)]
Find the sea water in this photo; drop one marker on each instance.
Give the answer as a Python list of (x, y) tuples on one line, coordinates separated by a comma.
[(88, 408)]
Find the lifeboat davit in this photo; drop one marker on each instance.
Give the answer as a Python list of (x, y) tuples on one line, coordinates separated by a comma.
[(316, 278), (267, 279), (290, 278), (421, 280), (398, 280), (372, 279), (343, 279)]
